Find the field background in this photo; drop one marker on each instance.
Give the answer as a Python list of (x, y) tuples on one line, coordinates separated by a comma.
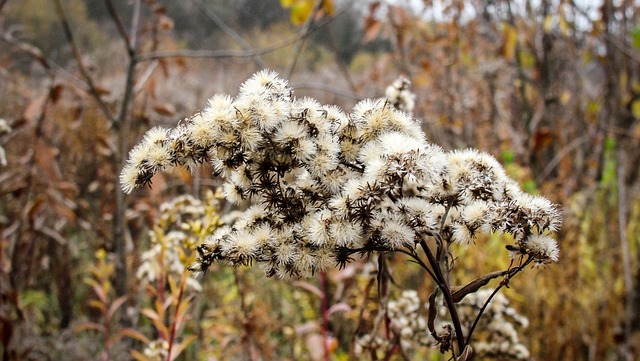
[(550, 88)]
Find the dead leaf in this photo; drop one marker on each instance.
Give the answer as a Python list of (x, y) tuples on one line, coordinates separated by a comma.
[(372, 25), (339, 307), (101, 90), (34, 109), (308, 287), (165, 109), (56, 93), (34, 207), (46, 159), (459, 293)]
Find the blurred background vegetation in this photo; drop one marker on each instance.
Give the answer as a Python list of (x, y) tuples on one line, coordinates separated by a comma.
[(551, 88)]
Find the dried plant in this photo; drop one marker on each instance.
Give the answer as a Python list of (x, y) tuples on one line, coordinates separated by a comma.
[(108, 307), (319, 187), (183, 223)]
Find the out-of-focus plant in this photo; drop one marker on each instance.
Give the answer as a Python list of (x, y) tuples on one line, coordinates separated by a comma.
[(4, 129), (302, 10), (183, 223), (321, 187), (497, 338), (101, 273)]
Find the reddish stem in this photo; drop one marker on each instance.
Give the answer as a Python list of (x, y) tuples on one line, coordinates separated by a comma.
[(172, 332), (325, 316)]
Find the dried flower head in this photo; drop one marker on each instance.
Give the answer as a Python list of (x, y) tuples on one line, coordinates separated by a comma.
[(324, 185), (400, 95), (183, 223)]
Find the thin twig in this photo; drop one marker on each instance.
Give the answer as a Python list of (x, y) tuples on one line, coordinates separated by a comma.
[(411, 253), (146, 75), (48, 64), (230, 32), (229, 53), (305, 31), (327, 88), (135, 25), (505, 282), (565, 151), (119, 125), (116, 20), (93, 90)]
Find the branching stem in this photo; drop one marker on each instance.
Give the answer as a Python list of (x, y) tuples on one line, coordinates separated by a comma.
[(510, 273)]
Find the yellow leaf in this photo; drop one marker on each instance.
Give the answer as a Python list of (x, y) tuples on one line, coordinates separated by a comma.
[(510, 40), (327, 7), (635, 109), (547, 24), (134, 334), (565, 97), (301, 11), (97, 305), (564, 26)]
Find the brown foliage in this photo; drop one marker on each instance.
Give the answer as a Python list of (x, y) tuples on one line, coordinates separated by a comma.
[(550, 90)]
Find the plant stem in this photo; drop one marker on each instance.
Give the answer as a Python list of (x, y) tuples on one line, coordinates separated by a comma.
[(509, 274), (444, 287), (325, 315), (176, 311)]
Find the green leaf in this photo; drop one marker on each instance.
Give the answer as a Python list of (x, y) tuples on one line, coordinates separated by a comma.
[(508, 157), (635, 37)]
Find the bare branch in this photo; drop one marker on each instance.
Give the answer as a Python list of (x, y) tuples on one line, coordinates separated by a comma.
[(135, 20), (229, 31), (116, 20), (328, 88), (230, 53), (2, 4), (93, 90), (131, 69), (509, 274), (305, 31)]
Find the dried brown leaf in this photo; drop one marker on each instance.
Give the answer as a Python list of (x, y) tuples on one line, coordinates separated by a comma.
[(459, 293), (165, 109)]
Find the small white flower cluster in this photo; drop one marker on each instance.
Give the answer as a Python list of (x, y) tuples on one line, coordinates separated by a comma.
[(321, 185), (498, 338), (156, 350), (175, 234), (400, 96), (405, 315), (4, 129)]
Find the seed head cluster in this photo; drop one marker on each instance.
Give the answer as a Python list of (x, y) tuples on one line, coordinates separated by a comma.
[(318, 185), (406, 321), (498, 338), (182, 224)]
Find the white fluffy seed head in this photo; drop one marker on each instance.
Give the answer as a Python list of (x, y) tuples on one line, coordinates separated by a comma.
[(128, 178), (543, 248)]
